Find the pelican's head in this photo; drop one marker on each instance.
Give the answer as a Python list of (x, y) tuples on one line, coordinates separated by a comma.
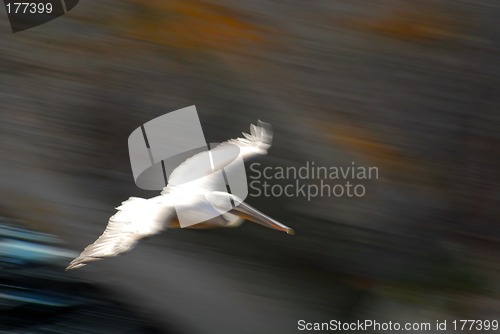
[(222, 202), (230, 205)]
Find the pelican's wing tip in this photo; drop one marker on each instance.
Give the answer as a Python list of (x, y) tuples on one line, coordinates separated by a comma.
[(75, 265), (247, 136), (254, 130), (260, 133)]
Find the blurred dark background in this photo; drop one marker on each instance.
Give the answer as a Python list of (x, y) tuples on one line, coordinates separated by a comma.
[(411, 87)]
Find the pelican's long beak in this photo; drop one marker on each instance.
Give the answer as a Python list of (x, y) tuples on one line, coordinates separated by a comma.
[(245, 211)]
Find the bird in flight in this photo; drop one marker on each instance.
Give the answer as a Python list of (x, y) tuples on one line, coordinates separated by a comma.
[(198, 199)]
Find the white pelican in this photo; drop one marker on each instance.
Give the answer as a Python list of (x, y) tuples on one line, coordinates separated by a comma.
[(138, 218)]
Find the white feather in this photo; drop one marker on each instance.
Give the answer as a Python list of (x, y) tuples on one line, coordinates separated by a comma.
[(136, 218)]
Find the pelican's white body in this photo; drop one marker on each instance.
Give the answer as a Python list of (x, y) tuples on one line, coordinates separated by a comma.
[(198, 199)]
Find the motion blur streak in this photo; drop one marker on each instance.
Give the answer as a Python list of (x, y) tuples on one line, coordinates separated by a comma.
[(410, 87)]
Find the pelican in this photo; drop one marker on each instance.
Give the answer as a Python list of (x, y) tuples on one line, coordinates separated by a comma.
[(138, 218)]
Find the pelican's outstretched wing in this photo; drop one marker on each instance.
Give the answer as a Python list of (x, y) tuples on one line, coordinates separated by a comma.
[(136, 218), (205, 163)]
